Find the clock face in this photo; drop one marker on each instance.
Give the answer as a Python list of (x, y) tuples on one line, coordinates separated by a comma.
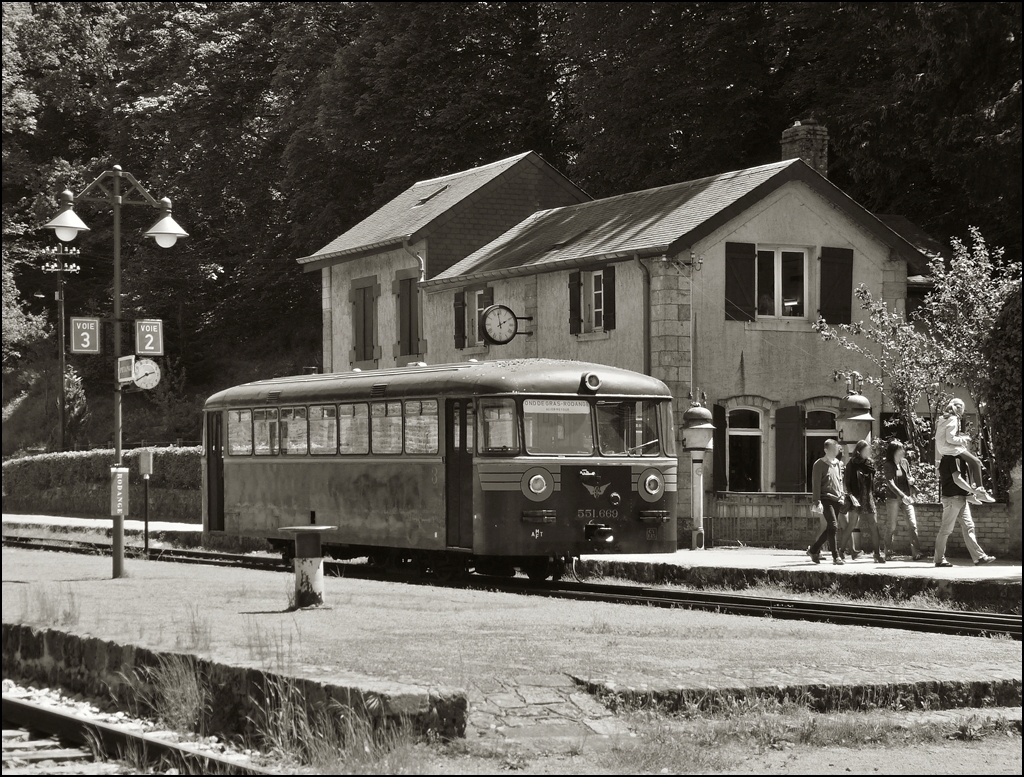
[(500, 324), (147, 373)]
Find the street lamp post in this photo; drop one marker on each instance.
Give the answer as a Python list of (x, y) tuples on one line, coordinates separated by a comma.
[(66, 224), (697, 433), (854, 421), (58, 266)]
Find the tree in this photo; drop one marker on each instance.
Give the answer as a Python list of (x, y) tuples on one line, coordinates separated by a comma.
[(904, 360), (1002, 390), (959, 315)]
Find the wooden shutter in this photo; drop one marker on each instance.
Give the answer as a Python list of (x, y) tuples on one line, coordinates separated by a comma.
[(789, 450), (836, 302), (486, 300), (609, 297), (358, 298), (575, 315), (460, 319), (740, 269), (720, 475)]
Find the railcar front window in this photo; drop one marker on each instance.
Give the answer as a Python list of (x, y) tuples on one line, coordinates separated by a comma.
[(499, 432), (558, 427), (265, 431), (240, 432), (628, 428), (323, 429)]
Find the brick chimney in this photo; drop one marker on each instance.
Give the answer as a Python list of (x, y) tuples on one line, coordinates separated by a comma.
[(808, 141)]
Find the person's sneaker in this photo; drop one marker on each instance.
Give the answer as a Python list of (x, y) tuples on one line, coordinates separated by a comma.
[(854, 555), (973, 500), (815, 557), (915, 554), (838, 561), (984, 560), (943, 563), (842, 554)]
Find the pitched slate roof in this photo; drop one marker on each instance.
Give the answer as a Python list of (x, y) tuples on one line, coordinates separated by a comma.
[(646, 223), (929, 247), (412, 212)]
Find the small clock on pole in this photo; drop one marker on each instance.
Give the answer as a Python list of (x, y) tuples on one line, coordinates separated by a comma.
[(147, 373), (501, 324)]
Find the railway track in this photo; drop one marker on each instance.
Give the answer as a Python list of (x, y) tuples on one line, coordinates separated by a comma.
[(90, 738), (934, 621)]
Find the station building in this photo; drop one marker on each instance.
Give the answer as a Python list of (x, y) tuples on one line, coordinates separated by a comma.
[(710, 285)]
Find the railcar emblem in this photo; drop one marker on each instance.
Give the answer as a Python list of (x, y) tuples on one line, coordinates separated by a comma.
[(596, 491), (594, 488)]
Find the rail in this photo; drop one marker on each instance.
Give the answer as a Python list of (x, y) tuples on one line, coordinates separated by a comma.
[(933, 621)]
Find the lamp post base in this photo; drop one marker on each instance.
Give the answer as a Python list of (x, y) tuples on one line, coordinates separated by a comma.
[(697, 539)]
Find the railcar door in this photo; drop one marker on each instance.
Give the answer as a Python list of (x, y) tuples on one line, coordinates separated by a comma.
[(458, 457), (215, 470)]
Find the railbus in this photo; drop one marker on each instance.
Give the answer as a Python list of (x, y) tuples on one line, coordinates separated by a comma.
[(476, 466)]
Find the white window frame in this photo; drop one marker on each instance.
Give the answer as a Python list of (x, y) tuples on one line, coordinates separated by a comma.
[(592, 300), (759, 433), (779, 302), (474, 308)]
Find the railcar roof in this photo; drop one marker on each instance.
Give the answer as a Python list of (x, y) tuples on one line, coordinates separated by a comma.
[(513, 376)]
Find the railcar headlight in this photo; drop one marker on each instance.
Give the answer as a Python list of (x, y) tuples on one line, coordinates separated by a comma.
[(653, 484), (538, 484)]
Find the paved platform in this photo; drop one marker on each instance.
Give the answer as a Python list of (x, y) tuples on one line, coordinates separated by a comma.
[(734, 568), (542, 674)]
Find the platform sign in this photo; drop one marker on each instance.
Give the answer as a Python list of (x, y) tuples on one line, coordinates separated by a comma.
[(126, 369), (149, 337), (118, 491), (85, 335)]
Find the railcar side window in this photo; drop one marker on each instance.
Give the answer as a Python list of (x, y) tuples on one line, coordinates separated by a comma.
[(240, 432), (386, 427), (559, 427), (265, 431), (353, 429), (421, 426), (668, 428), (323, 429), (628, 428), (294, 437), (499, 431)]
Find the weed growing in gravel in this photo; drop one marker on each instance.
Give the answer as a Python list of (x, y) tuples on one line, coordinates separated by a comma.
[(51, 605), (335, 738), (174, 692), (197, 633)]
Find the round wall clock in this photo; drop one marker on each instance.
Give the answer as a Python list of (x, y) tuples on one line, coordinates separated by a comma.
[(500, 324), (147, 373)]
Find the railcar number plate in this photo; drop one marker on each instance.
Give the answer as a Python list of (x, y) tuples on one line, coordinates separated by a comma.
[(654, 534), (604, 514)]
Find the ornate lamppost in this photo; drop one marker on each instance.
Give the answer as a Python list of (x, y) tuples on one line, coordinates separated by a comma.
[(58, 266), (697, 433), (854, 421), (107, 188)]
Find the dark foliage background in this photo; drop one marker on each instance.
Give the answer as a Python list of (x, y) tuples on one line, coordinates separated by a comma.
[(276, 126)]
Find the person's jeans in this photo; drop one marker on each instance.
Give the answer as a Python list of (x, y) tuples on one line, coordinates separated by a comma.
[(955, 508), (894, 507), (829, 534)]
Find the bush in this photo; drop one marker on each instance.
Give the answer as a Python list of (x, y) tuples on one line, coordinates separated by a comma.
[(179, 468), (1003, 389)]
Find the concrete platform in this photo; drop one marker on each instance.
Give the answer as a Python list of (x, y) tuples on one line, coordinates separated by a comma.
[(501, 668), (733, 568)]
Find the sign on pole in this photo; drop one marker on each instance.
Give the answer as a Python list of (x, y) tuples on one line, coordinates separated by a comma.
[(119, 491), (126, 369), (85, 335), (149, 337)]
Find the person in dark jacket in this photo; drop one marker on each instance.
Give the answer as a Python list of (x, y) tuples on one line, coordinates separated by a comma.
[(827, 499), (859, 477), (899, 497)]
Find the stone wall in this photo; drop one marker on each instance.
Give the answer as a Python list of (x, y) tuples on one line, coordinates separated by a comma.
[(785, 521), (101, 669)]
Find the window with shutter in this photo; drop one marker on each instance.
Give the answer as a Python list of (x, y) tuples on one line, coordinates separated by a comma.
[(407, 299), (363, 295), (575, 309), (744, 451), (836, 302), (740, 269), (718, 456), (592, 300), (789, 450), (460, 319)]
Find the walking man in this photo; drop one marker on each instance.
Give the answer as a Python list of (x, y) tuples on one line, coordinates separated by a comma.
[(828, 495), (955, 489)]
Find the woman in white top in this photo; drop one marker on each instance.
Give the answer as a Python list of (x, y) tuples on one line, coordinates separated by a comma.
[(949, 442)]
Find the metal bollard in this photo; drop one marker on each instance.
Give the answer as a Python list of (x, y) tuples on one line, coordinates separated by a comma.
[(309, 564)]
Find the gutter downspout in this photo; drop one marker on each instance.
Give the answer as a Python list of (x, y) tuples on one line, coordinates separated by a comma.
[(417, 257), (646, 312)]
